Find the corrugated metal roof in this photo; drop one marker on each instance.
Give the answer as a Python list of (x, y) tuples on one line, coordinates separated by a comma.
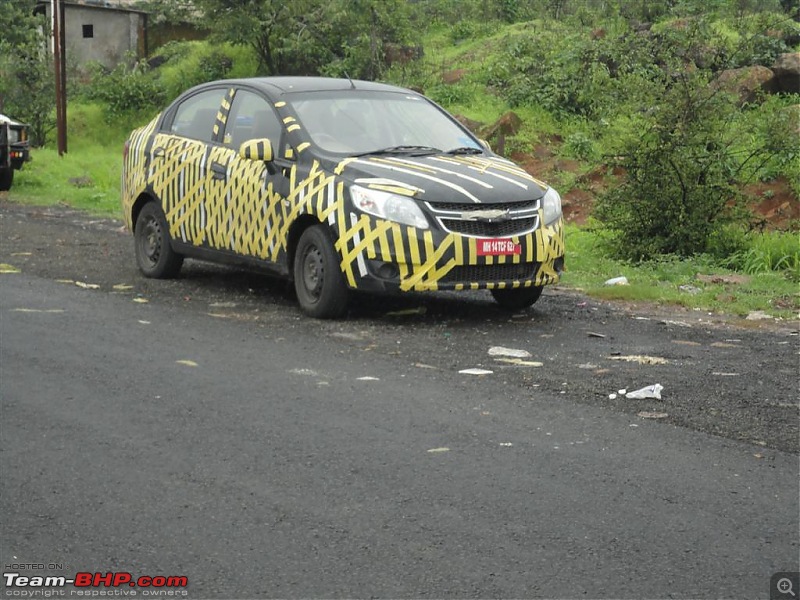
[(127, 5)]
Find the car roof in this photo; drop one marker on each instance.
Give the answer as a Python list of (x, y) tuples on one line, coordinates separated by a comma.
[(277, 86)]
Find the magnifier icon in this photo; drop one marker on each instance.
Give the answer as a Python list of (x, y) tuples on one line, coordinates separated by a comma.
[(785, 586)]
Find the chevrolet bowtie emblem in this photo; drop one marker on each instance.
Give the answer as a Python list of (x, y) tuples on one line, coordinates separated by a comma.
[(489, 214)]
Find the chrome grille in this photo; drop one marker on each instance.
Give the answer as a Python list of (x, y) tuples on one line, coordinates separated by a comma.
[(488, 229), (477, 220), (448, 207)]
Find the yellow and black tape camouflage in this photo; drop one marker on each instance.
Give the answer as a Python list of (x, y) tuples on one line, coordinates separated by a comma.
[(215, 199)]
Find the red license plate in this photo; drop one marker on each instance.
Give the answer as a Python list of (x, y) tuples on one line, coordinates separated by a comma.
[(498, 247)]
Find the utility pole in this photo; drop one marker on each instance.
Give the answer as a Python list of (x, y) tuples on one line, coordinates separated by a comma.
[(60, 59)]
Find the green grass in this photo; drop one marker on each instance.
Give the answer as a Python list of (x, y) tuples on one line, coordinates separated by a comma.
[(775, 291), (87, 177)]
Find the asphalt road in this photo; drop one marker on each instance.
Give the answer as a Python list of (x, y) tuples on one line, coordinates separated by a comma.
[(214, 433)]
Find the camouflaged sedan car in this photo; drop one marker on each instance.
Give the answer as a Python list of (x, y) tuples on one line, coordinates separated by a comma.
[(338, 185)]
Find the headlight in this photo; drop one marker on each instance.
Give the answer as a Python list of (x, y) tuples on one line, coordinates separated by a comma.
[(552, 206), (388, 206)]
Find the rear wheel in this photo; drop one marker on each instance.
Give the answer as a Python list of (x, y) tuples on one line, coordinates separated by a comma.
[(318, 281), (517, 298), (6, 179), (154, 254)]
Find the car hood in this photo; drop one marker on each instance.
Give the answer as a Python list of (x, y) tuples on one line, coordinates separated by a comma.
[(445, 178)]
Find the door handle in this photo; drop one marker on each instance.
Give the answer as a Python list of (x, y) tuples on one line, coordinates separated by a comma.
[(158, 152), (218, 170)]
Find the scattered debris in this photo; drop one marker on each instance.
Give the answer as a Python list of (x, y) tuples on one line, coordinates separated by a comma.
[(141, 300), (595, 335), (645, 414), (475, 372), (353, 337), (87, 286), (690, 289), (506, 444), (676, 323), (758, 315), (719, 374), (424, 366), (642, 360), (724, 345), (622, 392), (6, 269), (420, 310), (651, 391), (438, 450), (617, 281), (368, 378), (38, 310), (686, 343), (519, 362), (22, 254), (122, 287), (512, 352), (144, 322), (186, 362), (222, 305), (612, 396), (737, 279), (81, 182), (308, 372)]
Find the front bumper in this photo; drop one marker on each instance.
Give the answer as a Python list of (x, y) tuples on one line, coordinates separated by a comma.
[(381, 255)]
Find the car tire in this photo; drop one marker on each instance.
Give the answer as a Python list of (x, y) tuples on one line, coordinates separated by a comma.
[(517, 298), (318, 280), (6, 179), (154, 254)]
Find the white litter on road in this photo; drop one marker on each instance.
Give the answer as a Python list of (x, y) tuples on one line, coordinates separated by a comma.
[(511, 352), (475, 372), (651, 391)]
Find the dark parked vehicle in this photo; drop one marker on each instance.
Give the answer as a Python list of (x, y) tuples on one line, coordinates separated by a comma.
[(338, 185), (14, 149)]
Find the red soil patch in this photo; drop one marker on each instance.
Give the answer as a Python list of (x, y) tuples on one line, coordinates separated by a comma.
[(774, 204)]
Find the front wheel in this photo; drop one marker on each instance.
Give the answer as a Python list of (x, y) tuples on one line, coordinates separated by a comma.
[(318, 280), (6, 179), (154, 254), (517, 298)]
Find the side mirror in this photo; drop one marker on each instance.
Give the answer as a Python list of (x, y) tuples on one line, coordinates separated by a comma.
[(258, 149)]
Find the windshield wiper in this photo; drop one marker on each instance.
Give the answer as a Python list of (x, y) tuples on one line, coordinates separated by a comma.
[(465, 150), (409, 150)]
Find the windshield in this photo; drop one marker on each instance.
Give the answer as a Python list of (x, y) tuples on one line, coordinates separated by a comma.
[(361, 122)]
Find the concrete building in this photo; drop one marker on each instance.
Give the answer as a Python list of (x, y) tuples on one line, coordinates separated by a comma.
[(103, 31)]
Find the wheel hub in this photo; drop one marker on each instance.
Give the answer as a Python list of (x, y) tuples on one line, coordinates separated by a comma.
[(313, 272)]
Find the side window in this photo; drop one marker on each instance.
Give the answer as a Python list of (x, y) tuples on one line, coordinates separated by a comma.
[(251, 117), (195, 116)]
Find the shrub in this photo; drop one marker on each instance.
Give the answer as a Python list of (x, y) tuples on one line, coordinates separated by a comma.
[(126, 90), (679, 187)]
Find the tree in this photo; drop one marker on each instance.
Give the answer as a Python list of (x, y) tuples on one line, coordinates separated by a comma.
[(305, 37), (684, 167), (27, 83)]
